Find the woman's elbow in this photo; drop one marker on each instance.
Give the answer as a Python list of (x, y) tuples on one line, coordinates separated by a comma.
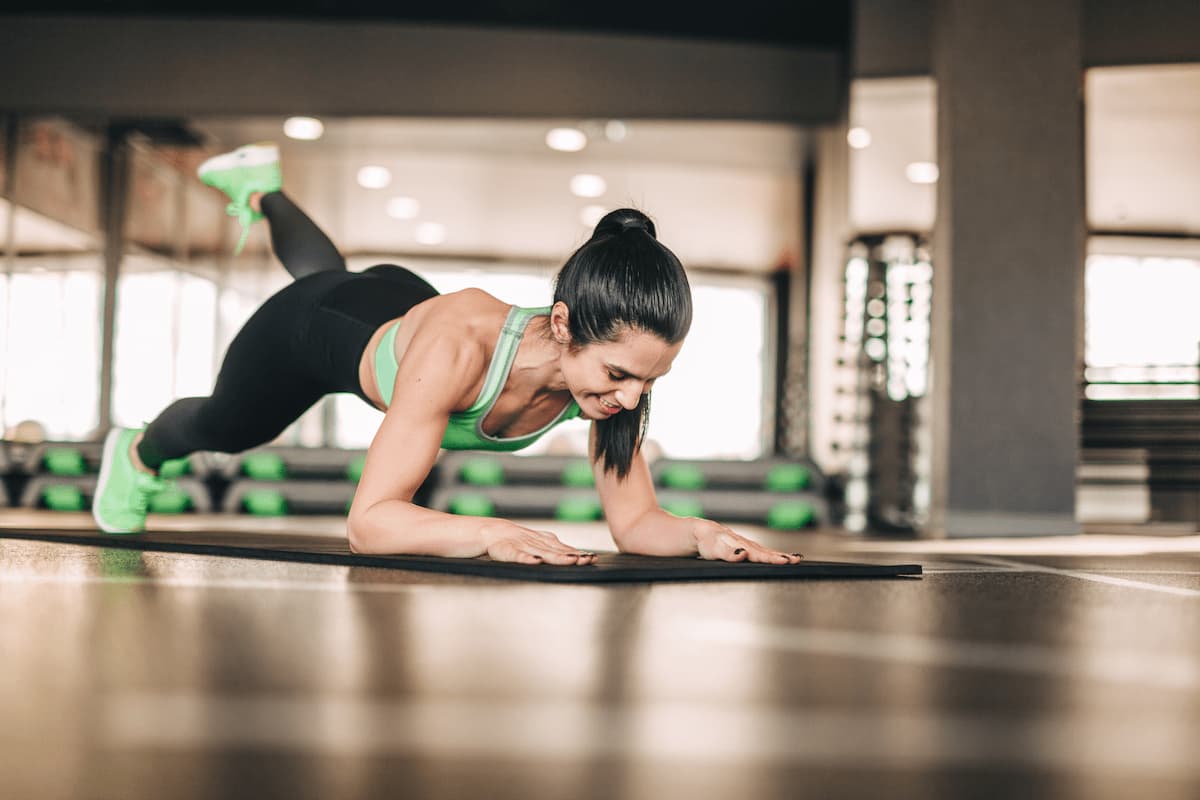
[(358, 534)]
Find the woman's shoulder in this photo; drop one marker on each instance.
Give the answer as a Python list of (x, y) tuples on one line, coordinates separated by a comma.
[(464, 317), (467, 310)]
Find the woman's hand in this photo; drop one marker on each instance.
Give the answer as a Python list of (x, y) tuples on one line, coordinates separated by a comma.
[(507, 541), (715, 542)]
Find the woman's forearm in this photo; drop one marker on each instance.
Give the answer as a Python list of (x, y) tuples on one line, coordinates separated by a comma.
[(397, 527), (658, 533)]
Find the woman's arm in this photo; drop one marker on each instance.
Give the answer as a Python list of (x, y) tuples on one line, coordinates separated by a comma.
[(434, 374), (638, 525)]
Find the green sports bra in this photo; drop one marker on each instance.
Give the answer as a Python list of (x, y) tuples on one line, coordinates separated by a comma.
[(465, 428)]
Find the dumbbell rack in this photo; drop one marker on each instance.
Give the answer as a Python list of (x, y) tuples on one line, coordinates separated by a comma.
[(560, 487), (882, 431)]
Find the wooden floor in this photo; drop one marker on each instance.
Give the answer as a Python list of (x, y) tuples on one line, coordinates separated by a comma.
[(1065, 668)]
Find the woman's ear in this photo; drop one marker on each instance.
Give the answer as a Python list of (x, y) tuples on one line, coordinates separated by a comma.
[(560, 323)]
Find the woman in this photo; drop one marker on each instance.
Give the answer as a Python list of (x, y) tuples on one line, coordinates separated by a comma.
[(463, 370)]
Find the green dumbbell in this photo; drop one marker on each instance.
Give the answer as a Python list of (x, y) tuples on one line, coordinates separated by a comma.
[(265, 503), (790, 515), (578, 475), (175, 468), (171, 500), (264, 467), (472, 505), (354, 469), (684, 507), (63, 497), (686, 477), (578, 509), (65, 462), (482, 472), (787, 478)]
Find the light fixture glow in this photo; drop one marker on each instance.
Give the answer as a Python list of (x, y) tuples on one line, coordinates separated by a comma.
[(615, 130), (858, 138), (566, 140), (585, 185), (307, 129), (403, 208), (591, 215), (374, 177), (921, 172), (431, 233)]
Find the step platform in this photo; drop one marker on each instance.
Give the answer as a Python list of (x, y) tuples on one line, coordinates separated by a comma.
[(777, 511), (68, 493), (283, 498)]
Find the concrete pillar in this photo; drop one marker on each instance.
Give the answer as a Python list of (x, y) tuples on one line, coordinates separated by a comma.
[(1008, 255), (830, 233)]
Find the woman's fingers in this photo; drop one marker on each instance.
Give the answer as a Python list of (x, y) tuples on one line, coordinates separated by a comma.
[(762, 555), (730, 546), (540, 547)]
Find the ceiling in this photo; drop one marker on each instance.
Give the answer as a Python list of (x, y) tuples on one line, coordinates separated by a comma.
[(723, 195)]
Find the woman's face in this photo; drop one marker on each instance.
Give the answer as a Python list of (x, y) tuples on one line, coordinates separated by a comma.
[(608, 377)]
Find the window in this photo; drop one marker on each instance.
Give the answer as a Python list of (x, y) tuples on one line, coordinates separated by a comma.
[(1142, 330), (719, 374)]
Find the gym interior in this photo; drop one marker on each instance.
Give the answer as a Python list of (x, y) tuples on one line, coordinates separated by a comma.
[(945, 260)]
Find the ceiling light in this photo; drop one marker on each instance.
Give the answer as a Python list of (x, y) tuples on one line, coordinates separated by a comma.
[(374, 177), (305, 128), (858, 138), (922, 172), (591, 215), (568, 140), (431, 233), (615, 130), (585, 185), (403, 208)]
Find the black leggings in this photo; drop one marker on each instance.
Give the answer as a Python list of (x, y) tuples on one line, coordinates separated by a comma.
[(303, 343)]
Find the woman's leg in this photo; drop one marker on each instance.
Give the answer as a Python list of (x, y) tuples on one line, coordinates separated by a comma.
[(262, 387), (301, 246)]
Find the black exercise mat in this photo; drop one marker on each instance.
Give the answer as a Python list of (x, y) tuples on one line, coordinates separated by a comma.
[(609, 568)]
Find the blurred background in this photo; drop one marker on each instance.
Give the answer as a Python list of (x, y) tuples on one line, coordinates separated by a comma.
[(790, 157)]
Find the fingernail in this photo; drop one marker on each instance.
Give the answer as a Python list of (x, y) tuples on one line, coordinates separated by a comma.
[(798, 555), (739, 551)]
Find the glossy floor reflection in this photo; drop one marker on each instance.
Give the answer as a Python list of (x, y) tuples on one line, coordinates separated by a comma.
[(1062, 672)]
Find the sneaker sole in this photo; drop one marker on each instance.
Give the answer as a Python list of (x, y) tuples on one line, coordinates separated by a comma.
[(110, 443), (252, 155)]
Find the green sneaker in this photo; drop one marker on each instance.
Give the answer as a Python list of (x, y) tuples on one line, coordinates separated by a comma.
[(123, 492), (241, 173)]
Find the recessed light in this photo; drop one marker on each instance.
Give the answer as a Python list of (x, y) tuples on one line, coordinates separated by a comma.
[(431, 233), (567, 140), (858, 138), (591, 215), (374, 177), (304, 128), (615, 130), (921, 172), (585, 185), (403, 208)]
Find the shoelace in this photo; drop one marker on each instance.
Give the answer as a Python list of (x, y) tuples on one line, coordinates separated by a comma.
[(245, 216)]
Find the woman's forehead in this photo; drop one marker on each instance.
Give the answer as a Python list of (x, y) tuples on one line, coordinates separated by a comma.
[(637, 352)]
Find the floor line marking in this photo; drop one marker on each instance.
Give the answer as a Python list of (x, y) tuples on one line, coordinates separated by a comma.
[(1124, 583)]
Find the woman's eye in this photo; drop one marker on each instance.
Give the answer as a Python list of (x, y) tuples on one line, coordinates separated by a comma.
[(616, 377)]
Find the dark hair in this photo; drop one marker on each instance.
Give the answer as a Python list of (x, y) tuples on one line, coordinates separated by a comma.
[(623, 277)]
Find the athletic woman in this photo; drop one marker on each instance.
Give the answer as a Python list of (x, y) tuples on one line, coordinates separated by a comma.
[(458, 371)]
